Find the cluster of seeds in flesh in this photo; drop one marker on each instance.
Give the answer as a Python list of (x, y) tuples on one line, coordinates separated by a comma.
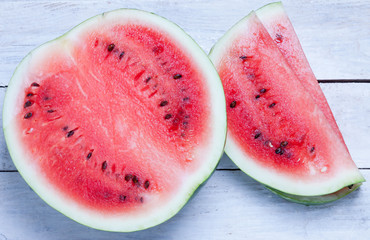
[(282, 146), (174, 113), (29, 102), (70, 133), (175, 118)]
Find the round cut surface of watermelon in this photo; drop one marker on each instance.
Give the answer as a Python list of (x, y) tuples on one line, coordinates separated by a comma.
[(117, 122)]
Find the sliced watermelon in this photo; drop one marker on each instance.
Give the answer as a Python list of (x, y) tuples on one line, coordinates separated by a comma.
[(277, 133), (117, 122), (276, 21)]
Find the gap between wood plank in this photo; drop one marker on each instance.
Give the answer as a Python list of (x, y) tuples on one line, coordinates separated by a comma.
[(344, 81), (320, 81)]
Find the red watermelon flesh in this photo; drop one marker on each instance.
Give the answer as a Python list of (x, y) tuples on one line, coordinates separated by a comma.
[(138, 87), (277, 23), (114, 123), (276, 132)]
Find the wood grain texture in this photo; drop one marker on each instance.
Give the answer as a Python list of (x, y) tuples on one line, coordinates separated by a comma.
[(334, 34), (230, 206)]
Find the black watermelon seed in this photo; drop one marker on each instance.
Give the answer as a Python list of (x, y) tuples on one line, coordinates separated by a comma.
[(350, 186), (35, 84), (70, 133), (185, 123), (111, 47), (245, 57), (148, 79), (233, 104), (257, 135), (177, 76), (168, 116), (258, 96), (284, 143), (51, 111), (185, 99), (121, 55), (29, 94), (146, 184), (65, 128), (28, 115), (104, 165), (89, 155), (135, 181), (263, 90), (141, 199), (279, 151), (312, 149), (27, 104), (163, 103), (128, 177), (272, 105), (122, 198)]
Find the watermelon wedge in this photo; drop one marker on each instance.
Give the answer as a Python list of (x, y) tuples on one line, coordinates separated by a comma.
[(275, 19), (116, 123), (277, 133)]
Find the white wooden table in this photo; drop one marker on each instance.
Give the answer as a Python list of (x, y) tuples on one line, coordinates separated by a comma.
[(336, 38)]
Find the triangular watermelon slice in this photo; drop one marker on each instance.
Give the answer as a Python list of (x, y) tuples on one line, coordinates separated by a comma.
[(277, 23), (277, 133), (275, 19)]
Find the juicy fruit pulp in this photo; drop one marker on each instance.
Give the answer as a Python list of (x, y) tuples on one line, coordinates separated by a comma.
[(277, 23), (276, 132), (116, 119)]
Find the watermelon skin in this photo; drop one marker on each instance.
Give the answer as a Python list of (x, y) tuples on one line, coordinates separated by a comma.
[(268, 108), (277, 23), (74, 167), (317, 200)]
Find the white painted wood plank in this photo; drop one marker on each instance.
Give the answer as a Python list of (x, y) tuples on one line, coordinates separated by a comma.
[(230, 206), (348, 101), (334, 34)]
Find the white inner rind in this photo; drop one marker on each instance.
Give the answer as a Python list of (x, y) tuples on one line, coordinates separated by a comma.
[(345, 175), (209, 153)]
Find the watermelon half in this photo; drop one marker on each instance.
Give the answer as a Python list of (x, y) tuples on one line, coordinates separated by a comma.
[(117, 122), (279, 132)]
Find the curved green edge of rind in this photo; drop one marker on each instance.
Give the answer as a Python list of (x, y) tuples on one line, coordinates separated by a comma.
[(316, 200), (279, 3), (191, 193)]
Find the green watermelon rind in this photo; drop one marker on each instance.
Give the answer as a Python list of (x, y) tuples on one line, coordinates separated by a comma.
[(253, 170), (316, 200), (54, 198)]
